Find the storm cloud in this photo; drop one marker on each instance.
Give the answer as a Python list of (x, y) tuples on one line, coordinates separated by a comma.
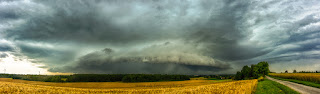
[(5, 47), (161, 36), (163, 58), (3, 55)]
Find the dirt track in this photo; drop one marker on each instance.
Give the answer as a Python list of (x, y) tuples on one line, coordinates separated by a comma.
[(303, 89)]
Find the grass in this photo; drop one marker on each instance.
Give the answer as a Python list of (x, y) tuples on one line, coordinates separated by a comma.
[(270, 87), (299, 81)]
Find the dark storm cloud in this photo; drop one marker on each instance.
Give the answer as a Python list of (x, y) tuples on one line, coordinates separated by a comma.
[(3, 55), (222, 32), (10, 10), (5, 47), (93, 23), (5, 15), (45, 55), (149, 68), (297, 36), (90, 21), (111, 62), (189, 37)]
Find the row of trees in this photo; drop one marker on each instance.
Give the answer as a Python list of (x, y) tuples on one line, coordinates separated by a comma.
[(220, 76), (99, 77), (295, 71), (253, 72), (153, 78)]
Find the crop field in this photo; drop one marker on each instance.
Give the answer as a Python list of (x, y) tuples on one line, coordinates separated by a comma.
[(115, 85), (311, 77), (192, 86)]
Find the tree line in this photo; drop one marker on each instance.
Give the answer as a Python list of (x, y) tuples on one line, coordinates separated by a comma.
[(253, 72), (295, 71), (217, 76), (99, 77)]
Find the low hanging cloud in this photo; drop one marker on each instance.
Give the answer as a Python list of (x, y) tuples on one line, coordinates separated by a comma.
[(162, 58), (183, 37), (3, 55), (5, 46)]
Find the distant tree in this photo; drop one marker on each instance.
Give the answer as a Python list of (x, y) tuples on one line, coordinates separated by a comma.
[(261, 69), (255, 71), (264, 68), (238, 76), (245, 72), (294, 71), (286, 71)]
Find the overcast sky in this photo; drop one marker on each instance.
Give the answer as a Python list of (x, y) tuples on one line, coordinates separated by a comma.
[(158, 36)]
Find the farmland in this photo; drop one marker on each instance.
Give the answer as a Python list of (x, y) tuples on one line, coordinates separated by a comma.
[(191, 86), (311, 77)]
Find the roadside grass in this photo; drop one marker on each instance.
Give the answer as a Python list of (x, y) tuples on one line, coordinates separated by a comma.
[(299, 81), (270, 87)]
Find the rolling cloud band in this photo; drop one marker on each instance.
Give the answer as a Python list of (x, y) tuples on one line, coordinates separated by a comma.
[(160, 36)]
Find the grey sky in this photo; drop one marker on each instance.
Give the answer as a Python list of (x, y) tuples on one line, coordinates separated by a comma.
[(162, 36)]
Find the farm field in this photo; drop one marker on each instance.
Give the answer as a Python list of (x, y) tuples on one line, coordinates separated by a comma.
[(310, 77), (300, 82), (114, 85), (192, 86)]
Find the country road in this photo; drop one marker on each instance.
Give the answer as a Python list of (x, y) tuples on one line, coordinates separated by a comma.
[(303, 89)]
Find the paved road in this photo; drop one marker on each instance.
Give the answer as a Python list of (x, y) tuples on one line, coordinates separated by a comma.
[(303, 89)]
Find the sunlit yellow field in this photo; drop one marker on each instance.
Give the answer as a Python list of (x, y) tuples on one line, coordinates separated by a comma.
[(200, 86), (312, 77)]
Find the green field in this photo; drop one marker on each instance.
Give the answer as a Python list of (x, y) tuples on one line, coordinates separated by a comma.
[(271, 87)]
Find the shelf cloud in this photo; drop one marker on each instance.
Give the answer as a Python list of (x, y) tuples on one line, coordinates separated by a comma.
[(160, 36)]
